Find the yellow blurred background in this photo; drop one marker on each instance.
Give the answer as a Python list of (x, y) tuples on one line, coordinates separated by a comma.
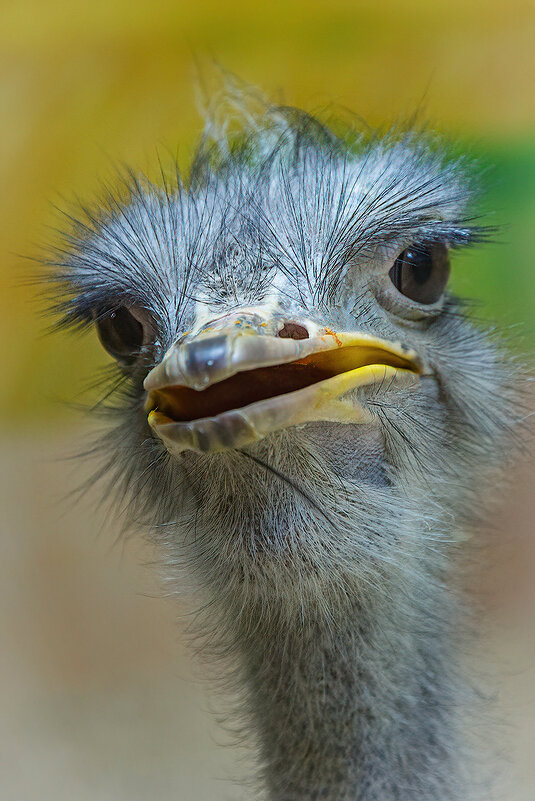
[(96, 693)]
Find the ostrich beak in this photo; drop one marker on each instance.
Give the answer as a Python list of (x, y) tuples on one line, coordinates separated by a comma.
[(227, 388)]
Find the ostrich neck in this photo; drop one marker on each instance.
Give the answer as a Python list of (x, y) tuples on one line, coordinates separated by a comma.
[(355, 706)]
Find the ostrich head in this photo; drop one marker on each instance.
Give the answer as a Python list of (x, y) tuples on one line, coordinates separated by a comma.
[(304, 418)]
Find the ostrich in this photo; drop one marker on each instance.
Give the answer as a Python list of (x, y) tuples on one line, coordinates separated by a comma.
[(304, 420)]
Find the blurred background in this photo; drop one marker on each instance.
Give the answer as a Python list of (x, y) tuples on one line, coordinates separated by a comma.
[(98, 696)]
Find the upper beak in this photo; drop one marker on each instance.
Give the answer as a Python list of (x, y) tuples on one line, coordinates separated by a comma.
[(231, 385)]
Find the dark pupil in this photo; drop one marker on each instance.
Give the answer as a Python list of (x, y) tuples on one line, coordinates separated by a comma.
[(420, 265), (121, 334)]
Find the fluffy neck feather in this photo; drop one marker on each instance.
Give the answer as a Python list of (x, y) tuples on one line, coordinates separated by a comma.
[(357, 707), (346, 660)]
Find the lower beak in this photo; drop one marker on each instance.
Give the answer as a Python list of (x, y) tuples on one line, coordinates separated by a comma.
[(222, 392)]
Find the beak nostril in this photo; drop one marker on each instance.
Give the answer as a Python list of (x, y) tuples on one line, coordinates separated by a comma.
[(293, 331)]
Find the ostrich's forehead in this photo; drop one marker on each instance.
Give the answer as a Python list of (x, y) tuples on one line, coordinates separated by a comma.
[(285, 221)]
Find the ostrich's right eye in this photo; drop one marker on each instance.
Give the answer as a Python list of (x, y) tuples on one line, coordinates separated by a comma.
[(121, 333)]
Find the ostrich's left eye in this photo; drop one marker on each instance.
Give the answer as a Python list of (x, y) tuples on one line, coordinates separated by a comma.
[(421, 272), (121, 333)]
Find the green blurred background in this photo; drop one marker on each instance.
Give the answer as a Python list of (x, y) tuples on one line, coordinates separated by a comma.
[(87, 85), (98, 697)]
